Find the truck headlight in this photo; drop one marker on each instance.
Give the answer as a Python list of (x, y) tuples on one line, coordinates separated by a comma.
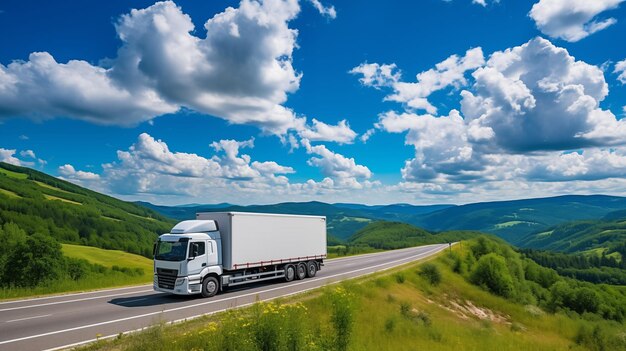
[(180, 281)]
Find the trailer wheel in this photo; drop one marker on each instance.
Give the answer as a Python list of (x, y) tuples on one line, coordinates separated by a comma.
[(311, 269), (290, 272), (210, 286), (301, 271)]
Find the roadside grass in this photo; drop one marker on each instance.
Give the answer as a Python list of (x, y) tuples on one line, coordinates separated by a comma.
[(396, 310), (113, 268)]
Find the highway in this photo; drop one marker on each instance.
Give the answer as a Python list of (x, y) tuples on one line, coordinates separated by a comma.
[(63, 321)]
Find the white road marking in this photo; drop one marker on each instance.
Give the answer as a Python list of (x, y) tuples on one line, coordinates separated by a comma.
[(410, 258), (68, 301), (27, 318)]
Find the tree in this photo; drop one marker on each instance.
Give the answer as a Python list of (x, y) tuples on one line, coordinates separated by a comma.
[(491, 272), (33, 261)]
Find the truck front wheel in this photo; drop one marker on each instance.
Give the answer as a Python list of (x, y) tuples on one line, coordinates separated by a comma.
[(210, 286), (290, 272)]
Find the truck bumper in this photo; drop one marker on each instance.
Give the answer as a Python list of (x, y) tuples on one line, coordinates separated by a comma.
[(181, 287)]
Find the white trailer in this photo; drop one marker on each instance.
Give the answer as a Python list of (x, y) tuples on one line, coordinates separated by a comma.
[(221, 249)]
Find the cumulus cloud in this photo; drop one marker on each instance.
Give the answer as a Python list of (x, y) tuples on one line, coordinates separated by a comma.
[(28, 154), (240, 71), (620, 69), (7, 156), (538, 97), (149, 166), (450, 72), (376, 75), (320, 131), (572, 20), (530, 113), (338, 168), (67, 171), (29, 159)]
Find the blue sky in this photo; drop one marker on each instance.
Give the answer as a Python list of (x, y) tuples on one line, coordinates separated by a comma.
[(374, 102)]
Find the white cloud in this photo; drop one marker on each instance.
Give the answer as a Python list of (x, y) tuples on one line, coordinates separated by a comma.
[(367, 135), (320, 131), (376, 75), (323, 10), (28, 154), (523, 110), (620, 69), (343, 171), (67, 171), (483, 3), (450, 72), (7, 156), (241, 71), (537, 97), (572, 20), (23, 137)]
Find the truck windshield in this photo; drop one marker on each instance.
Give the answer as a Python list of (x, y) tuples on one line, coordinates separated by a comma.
[(171, 250)]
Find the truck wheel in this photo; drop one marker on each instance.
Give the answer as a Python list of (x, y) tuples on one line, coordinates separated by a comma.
[(210, 286), (311, 269), (290, 272), (301, 271)]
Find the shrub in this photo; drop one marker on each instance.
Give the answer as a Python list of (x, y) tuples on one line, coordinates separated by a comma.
[(491, 272), (342, 317), (431, 273)]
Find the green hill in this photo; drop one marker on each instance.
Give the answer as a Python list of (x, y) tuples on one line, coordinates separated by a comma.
[(39, 203), (599, 236), (395, 235), (514, 220)]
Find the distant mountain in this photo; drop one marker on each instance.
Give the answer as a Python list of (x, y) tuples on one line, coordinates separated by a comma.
[(511, 220), (514, 220), (39, 203)]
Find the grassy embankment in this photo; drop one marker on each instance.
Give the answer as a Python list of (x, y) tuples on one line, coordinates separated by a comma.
[(405, 309), (109, 268)]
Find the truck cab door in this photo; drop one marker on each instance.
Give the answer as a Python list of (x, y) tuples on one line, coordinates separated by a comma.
[(197, 259)]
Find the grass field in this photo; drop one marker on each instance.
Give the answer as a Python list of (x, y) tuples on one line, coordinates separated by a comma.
[(109, 258), (56, 198), (397, 310), (12, 174), (9, 193)]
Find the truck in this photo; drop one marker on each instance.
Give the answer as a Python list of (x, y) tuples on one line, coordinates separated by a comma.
[(225, 249)]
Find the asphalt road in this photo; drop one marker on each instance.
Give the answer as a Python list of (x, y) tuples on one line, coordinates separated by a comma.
[(67, 320)]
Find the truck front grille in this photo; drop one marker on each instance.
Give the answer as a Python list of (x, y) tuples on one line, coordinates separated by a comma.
[(167, 278)]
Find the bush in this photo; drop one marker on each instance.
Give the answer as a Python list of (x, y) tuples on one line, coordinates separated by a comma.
[(342, 317), (491, 272), (431, 273)]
